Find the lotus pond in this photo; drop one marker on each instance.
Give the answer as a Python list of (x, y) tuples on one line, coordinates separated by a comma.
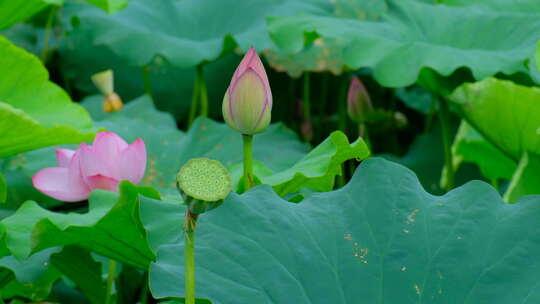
[(270, 151)]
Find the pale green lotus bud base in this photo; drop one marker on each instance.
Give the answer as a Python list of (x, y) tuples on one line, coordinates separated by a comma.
[(204, 184)]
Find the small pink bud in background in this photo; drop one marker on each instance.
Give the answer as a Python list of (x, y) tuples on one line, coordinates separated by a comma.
[(307, 130), (247, 103), (358, 101), (102, 165)]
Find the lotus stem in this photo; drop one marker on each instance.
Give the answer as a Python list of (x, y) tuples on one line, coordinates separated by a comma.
[(194, 100), (306, 103), (342, 123), (111, 276), (447, 143), (189, 256), (48, 29), (248, 161), (203, 93), (147, 81)]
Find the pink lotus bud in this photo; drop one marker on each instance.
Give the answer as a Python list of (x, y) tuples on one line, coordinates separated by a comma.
[(99, 166), (247, 104), (358, 101)]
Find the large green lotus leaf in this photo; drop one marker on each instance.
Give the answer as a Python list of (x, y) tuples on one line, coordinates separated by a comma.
[(504, 113), (78, 265), (186, 33), (470, 146), (111, 227), (519, 6), (526, 178), (171, 87), (31, 278), (380, 239), (110, 6), (325, 54), (318, 169), (3, 189), (320, 56), (15, 11), (413, 35), (537, 57), (35, 112), (12, 12)]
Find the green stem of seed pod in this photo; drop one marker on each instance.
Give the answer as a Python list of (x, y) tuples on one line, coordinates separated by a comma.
[(190, 223), (444, 114), (248, 161), (203, 93), (147, 81), (111, 276), (194, 100), (48, 30), (306, 102)]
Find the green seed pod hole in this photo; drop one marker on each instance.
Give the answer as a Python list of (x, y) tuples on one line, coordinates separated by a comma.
[(204, 179)]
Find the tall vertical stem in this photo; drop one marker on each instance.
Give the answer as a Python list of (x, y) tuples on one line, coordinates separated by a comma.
[(203, 93), (342, 122), (194, 99), (447, 143), (306, 102), (111, 276), (248, 161), (322, 104), (190, 223), (48, 29), (147, 81)]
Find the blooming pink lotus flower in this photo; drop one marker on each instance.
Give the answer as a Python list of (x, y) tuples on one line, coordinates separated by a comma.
[(247, 103), (99, 166), (358, 101)]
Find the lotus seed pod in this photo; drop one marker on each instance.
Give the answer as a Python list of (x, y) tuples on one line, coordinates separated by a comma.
[(204, 184), (358, 101), (247, 103)]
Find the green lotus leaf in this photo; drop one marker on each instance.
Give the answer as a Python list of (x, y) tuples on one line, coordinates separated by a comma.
[(30, 278), (412, 36), (111, 227), (12, 12), (203, 30), (470, 146), (381, 239), (504, 113), (526, 178), (78, 265), (35, 112)]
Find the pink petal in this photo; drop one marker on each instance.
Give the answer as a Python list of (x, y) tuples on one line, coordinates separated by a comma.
[(63, 157), (244, 64), (56, 182), (93, 163), (102, 182), (108, 144), (252, 61), (132, 162)]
